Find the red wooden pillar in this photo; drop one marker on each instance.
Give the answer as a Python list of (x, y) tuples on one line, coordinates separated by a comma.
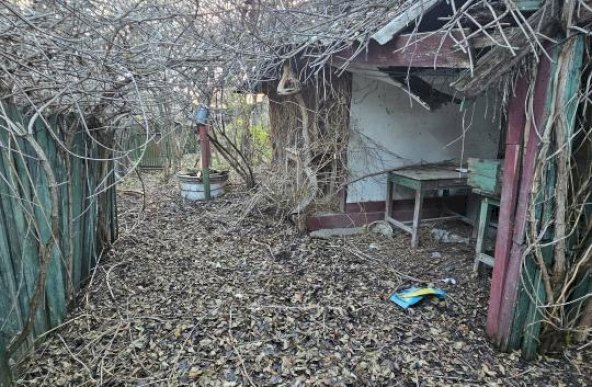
[(510, 179), (517, 181), (204, 141)]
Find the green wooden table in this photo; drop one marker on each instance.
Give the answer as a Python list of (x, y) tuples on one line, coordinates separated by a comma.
[(421, 180)]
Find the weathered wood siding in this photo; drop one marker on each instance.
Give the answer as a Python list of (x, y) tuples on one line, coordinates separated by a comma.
[(87, 218)]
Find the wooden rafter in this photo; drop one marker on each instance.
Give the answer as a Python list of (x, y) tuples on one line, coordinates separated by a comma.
[(500, 60), (421, 50)]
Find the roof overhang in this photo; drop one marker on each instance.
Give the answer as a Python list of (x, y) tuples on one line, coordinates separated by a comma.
[(422, 50)]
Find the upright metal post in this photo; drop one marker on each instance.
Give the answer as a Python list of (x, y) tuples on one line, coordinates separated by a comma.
[(205, 159), (201, 117)]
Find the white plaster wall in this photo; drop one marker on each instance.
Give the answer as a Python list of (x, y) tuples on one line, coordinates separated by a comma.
[(389, 131)]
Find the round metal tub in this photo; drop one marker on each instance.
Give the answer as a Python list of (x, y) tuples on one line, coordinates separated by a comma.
[(192, 187)]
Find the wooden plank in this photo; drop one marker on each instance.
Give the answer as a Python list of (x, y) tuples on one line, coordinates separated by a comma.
[(484, 214), (484, 183), (420, 50), (494, 38), (54, 284), (404, 181), (404, 20), (500, 60), (86, 217), (571, 55), (11, 319), (416, 218), (388, 212), (23, 244), (399, 224), (75, 194), (534, 317), (114, 211), (493, 166), (512, 279), (579, 307), (532, 294), (63, 179), (528, 5), (510, 179), (16, 202), (486, 259), (5, 372)]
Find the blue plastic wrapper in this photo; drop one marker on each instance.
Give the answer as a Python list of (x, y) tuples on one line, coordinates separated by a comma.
[(413, 295)]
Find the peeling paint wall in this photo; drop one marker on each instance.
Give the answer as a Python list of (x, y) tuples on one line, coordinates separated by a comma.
[(389, 131)]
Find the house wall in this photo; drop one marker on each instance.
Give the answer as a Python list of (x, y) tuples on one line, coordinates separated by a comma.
[(388, 130)]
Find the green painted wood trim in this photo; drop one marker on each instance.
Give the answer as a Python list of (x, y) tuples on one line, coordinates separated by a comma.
[(24, 205), (55, 284), (484, 165), (404, 181), (23, 238), (534, 318), (5, 372), (528, 5), (583, 287), (532, 323), (11, 320), (76, 233)]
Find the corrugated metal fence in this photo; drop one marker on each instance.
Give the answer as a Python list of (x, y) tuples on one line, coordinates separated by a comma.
[(31, 158)]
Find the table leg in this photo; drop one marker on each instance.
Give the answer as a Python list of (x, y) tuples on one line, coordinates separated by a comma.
[(484, 214), (416, 218), (389, 199)]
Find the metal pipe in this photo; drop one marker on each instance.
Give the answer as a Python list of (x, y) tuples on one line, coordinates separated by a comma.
[(201, 118), (205, 159)]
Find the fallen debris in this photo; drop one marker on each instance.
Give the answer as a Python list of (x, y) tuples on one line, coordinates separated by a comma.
[(193, 295), (413, 295), (446, 236), (335, 232), (381, 227)]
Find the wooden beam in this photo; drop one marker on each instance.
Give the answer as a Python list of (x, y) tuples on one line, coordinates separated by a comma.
[(421, 50), (510, 182), (403, 20), (482, 40), (500, 60), (381, 76), (512, 283)]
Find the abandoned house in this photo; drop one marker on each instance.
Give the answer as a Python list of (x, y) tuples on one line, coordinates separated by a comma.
[(444, 108)]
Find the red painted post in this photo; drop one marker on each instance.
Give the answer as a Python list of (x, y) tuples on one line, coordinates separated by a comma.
[(510, 180), (204, 146), (514, 268), (205, 158)]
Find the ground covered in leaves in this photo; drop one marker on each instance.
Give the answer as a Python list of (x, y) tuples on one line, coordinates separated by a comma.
[(194, 295)]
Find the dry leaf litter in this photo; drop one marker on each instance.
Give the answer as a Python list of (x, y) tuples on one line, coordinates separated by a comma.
[(193, 295)]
